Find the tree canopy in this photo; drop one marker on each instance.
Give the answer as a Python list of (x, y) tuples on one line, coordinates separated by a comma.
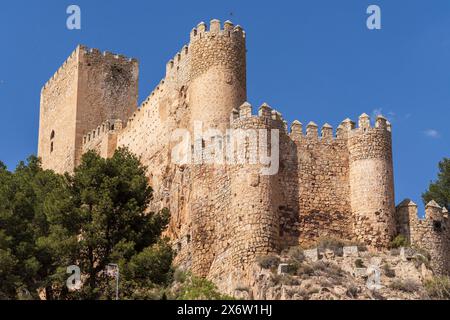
[(439, 190), (98, 215)]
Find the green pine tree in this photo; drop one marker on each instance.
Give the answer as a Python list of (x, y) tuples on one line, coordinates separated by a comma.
[(98, 215), (439, 190)]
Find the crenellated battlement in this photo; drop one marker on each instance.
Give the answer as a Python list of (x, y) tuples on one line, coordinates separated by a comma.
[(431, 232), (102, 130), (266, 117), (216, 29), (62, 69), (343, 131), (82, 50), (94, 52), (349, 127), (433, 212), (178, 62)]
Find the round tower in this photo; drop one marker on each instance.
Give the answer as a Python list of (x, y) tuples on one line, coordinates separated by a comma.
[(218, 73), (372, 182), (255, 192)]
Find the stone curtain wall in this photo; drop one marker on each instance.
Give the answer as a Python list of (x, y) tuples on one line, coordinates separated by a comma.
[(345, 183), (431, 233), (324, 206), (103, 139)]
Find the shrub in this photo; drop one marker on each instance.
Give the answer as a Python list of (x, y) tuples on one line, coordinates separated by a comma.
[(438, 288), (296, 254), (405, 285), (305, 269), (268, 262), (352, 291), (421, 256), (196, 288), (398, 242), (329, 270), (388, 272), (179, 276), (423, 252), (359, 263), (293, 267)]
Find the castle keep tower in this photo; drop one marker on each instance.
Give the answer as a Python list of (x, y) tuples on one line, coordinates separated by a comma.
[(90, 88), (218, 73), (372, 181)]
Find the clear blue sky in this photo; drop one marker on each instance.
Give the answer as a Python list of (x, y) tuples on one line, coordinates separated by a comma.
[(312, 60)]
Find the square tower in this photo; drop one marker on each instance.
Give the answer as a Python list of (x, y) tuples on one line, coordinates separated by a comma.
[(88, 89)]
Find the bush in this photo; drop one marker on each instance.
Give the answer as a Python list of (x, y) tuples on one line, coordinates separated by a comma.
[(196, 288), (285, 279), (423, 252), (296, 254), (421, 256), (305, 270), (398, 242), (352, 291), (359, 263), (327, 269), (179, 276), (388, 272), (268, 262), (405, 285), (293, 267), (438, 288)]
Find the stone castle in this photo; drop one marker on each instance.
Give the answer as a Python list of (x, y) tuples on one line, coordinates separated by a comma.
[(224, 216)]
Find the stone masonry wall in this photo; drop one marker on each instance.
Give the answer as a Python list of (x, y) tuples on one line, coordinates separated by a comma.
[(103, 139), (323, 179), (431, 233), (57, 121)]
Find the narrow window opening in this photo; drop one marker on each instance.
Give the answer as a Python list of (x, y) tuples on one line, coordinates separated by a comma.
[(52, 136)]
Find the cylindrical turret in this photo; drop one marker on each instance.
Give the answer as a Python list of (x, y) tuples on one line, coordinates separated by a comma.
[(372, 182), (256, 196), (218, 73)]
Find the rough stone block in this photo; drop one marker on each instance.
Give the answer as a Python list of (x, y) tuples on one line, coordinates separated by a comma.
[(311, 255), (283, 268), (329, 254), (406, 253), (351, 251), (360, 272)]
